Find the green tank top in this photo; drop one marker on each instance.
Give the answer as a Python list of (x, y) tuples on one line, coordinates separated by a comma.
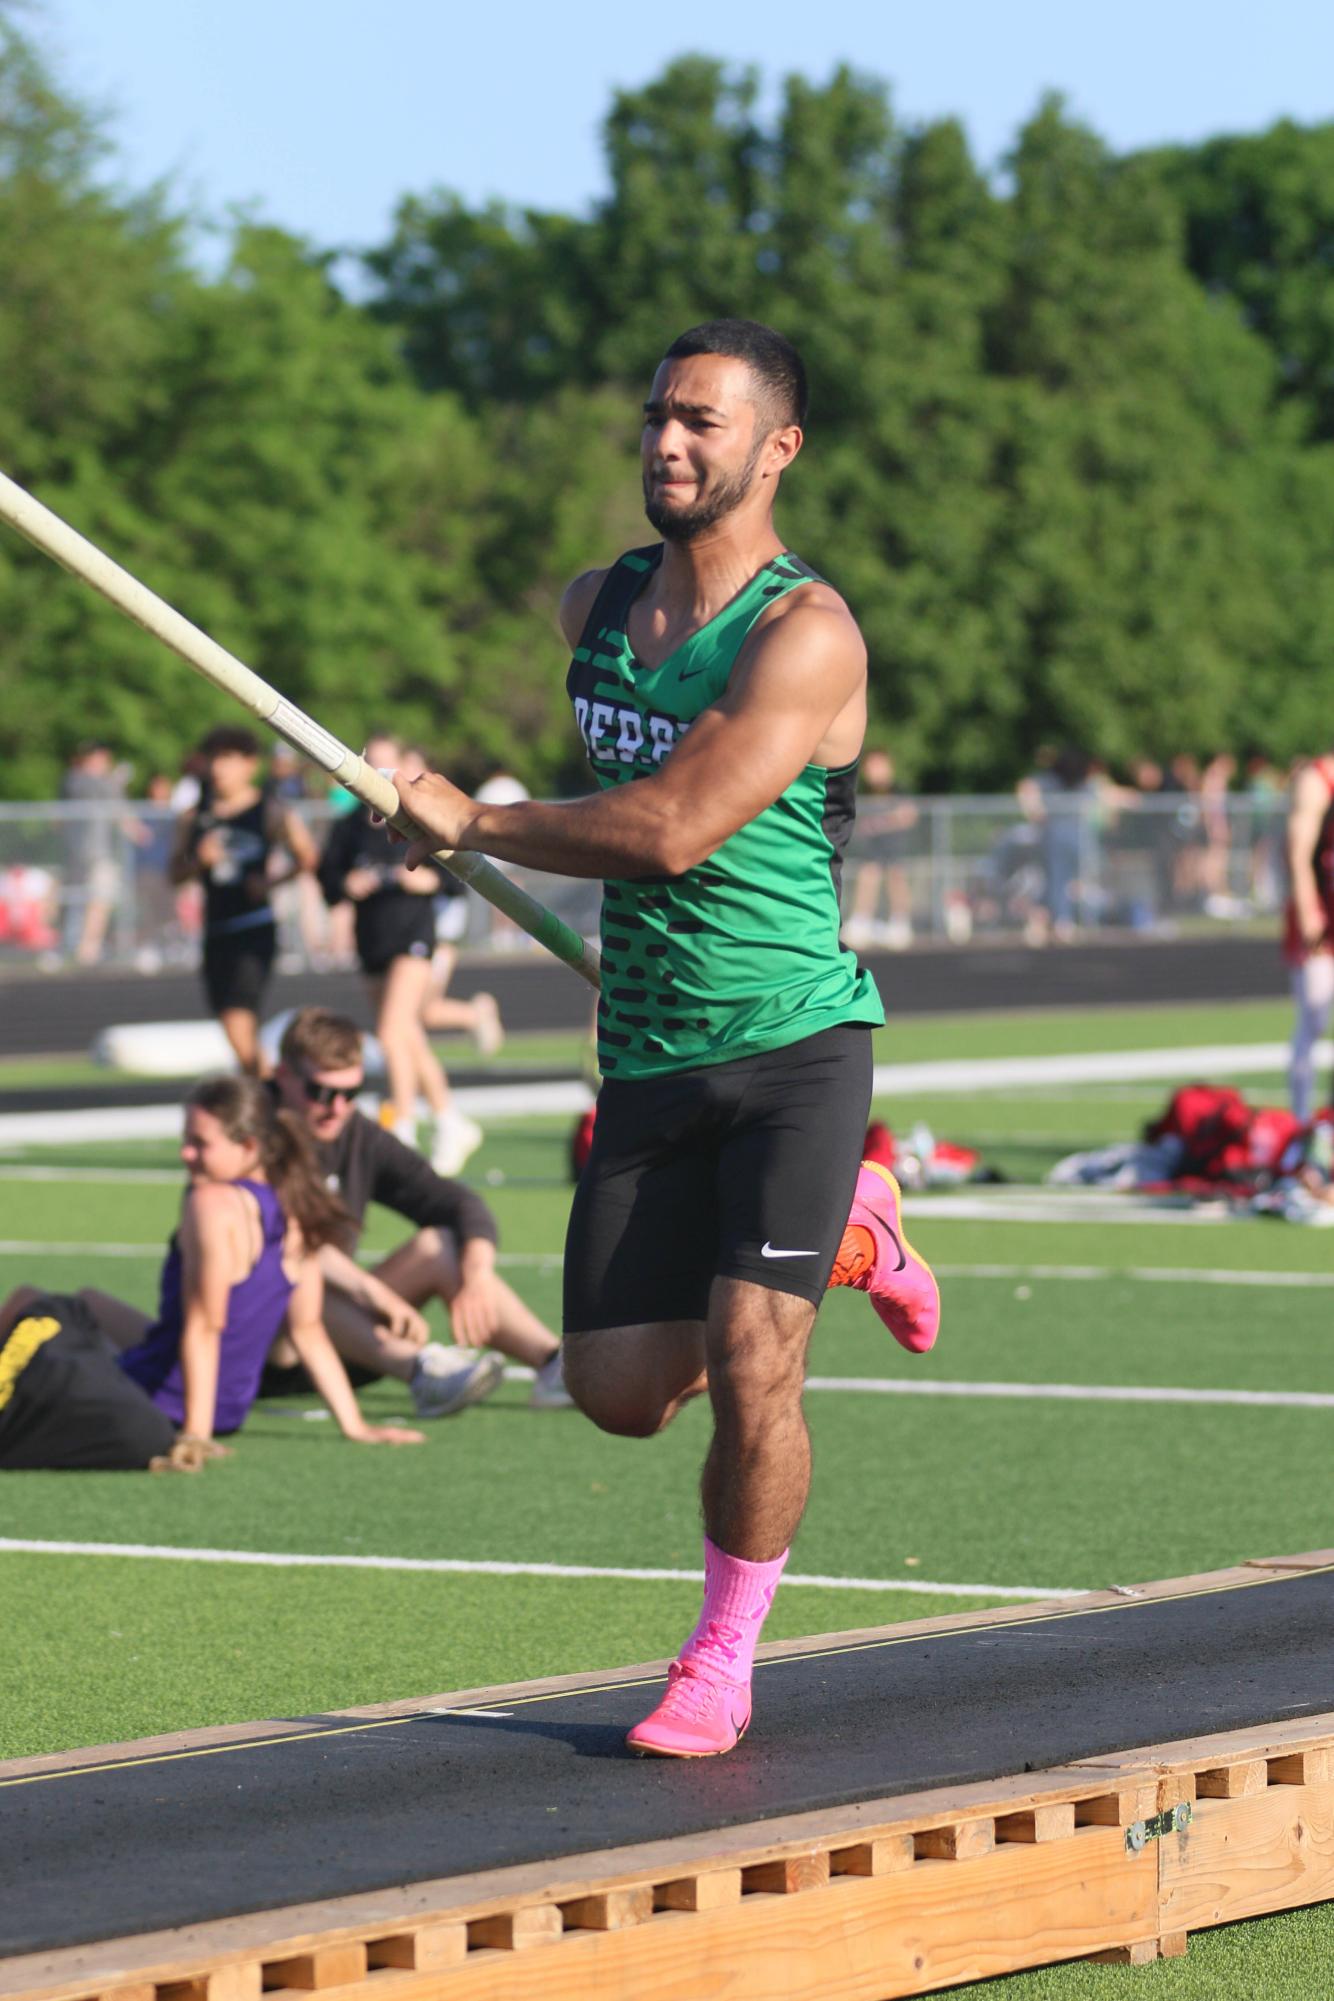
[(742, 953)]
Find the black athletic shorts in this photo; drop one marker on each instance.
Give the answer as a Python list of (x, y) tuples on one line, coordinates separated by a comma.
[(741, 1170), (237, 965), (401, 926), (68, 1404)]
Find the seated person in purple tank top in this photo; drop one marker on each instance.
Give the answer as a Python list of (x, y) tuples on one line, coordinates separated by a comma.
[(90, 1381)]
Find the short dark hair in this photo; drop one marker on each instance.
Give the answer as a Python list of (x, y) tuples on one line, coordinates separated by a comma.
[(230, 738), (769, 355)]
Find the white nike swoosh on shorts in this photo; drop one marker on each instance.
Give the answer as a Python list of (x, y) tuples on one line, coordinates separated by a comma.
[(767, 1251)]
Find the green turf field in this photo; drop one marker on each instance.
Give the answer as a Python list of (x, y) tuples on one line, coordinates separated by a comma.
[(927, 1502)]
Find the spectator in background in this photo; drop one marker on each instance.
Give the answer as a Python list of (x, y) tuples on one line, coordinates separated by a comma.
[(1265, 790), (230, 843), (1181, 789), (394, 919), (1058, 796), (154, 837), (1308, 943), (298, 906), (95, 1383), (375, 1316), (93, 783), (884, 824), (1216, 835), (442, 1014)]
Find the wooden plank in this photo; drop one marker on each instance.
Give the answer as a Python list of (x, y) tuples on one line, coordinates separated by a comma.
[(143, 1990), (958, 1841), (515, 1931), (1302, 1768), (1233, 1782), (241, 1982), (789, 1875), (886, 1855), (1041, 1823), (610, 1910), (710, 1890), (1143, 1952), (424, 1951), (325, 1966), (855, 1939), (1120, 1808), (1241, 1857), (1311, 1559)]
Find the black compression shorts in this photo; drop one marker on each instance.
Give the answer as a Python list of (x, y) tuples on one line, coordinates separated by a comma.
[(394, 927), (236, 967), (742, 1170)]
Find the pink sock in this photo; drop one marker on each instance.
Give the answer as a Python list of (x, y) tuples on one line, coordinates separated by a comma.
[(737, 1597)]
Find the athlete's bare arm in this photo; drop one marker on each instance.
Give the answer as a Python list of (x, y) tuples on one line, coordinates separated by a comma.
[(797, 696), (1306, 814)]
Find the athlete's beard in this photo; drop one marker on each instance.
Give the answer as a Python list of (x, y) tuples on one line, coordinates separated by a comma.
[(723, 495)]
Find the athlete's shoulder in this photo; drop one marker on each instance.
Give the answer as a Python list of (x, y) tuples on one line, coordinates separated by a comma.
[(582, 594), (816, 616)]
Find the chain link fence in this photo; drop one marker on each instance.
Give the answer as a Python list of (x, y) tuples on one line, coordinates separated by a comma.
[(88, 883)]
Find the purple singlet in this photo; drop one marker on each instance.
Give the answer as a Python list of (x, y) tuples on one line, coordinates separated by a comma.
[(255, 1310)]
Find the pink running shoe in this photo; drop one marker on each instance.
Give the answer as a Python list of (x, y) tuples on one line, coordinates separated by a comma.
[(876, 1257), (697, 1718)]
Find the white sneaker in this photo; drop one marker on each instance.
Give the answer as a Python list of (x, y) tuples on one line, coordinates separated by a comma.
[(455, 1138), (549, 1391), (449, 1379)]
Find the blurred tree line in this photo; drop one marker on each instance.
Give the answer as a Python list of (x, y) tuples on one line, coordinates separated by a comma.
[(1070, 453)]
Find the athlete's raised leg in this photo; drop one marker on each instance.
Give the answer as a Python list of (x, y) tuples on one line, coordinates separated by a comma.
[(876, 1257), (633, 1380)]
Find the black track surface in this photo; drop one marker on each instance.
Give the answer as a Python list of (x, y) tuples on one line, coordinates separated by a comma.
[(112, 1850)]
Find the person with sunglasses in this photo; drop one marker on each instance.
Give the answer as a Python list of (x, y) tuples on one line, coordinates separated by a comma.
[(374, 1316)]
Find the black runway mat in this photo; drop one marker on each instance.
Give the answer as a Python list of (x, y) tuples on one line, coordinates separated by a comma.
[(136, 1846)]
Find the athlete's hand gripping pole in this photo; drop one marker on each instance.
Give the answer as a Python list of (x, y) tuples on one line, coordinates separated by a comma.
[(55, 538)]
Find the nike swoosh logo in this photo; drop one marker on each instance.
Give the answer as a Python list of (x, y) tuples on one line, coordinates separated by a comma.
[(767, 1251)]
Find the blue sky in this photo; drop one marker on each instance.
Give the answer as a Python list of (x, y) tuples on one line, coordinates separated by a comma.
[(321, 113)]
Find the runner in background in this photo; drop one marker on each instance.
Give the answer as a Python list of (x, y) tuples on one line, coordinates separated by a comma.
[(394, 922), (230, 842)]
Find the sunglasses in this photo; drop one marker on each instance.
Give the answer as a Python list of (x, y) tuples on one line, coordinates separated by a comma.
[(330, 1094)]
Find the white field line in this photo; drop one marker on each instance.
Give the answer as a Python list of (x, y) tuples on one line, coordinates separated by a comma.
[(965, 1075), (14, 1247), (891, 1386), (1148, 1274), (1066, 1205), (903, 1386), (462, 1567), (950, 1076)]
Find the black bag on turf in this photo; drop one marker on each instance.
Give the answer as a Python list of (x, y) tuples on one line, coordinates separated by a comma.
[(65, 1401)]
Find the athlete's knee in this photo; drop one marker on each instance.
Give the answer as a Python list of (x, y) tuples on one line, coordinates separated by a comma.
[(611, 1401), (434, 1254)]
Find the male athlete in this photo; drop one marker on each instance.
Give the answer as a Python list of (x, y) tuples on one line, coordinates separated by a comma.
[(720, 688)]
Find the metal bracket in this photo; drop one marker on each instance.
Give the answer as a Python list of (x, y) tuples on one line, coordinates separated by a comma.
[(1174, 1820)]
